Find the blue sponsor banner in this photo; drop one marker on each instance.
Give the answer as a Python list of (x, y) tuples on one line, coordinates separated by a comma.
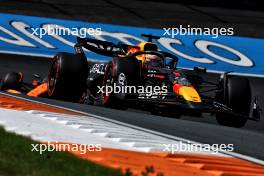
[(21, 34)]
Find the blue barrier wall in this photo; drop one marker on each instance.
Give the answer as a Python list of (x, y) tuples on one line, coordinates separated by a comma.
[(225, 53)]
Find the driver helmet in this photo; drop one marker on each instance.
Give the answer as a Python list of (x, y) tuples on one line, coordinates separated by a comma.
[(153, 60)]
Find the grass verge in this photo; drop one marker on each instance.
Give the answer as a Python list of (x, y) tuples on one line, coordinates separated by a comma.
[(17, 159)]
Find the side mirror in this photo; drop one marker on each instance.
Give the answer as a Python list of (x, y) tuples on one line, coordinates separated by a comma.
[(36, 76), (171, 65), (199, 69)]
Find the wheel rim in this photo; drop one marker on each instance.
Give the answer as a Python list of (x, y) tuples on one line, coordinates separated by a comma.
[(107, 81), (53, 77), (122, 79)]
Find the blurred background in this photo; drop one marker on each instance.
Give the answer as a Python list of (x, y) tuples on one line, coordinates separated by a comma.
[(245, 16)]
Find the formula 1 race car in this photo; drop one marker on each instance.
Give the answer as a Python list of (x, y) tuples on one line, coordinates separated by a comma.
[(141, 76)]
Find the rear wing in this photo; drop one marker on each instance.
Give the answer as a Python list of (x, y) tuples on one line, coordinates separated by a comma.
[(103, 47)]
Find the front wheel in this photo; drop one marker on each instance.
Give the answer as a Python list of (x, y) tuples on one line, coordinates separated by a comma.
[(238, 97), (12, 80)]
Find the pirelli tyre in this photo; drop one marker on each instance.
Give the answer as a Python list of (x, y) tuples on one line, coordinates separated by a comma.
[(119, 72), (67, 77), (237, 95), (12, 80)]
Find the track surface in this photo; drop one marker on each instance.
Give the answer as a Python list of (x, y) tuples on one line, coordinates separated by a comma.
[(247, 140)]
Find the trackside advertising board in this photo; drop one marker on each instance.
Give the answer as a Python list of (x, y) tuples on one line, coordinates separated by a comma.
[(25, 35)]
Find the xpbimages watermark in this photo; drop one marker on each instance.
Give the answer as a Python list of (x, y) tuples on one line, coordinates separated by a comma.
[(62, 31), (56, 146), (196, 147), (188, 30), (140, 90)]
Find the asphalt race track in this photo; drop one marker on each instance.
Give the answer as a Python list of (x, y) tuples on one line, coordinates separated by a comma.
[(247, 140)]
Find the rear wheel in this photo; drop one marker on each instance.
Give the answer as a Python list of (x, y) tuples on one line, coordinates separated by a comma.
[(67, 77), (109, 97), (120, 72), (12, 80), (238, 97)]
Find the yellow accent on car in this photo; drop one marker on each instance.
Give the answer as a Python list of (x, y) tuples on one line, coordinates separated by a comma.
[(41, 89), (190, 94), (13, 91)]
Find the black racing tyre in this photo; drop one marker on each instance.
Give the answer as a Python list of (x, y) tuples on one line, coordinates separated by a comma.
[(121, 72), (238, 97), (67, 77), (12, 80), (130, 67)]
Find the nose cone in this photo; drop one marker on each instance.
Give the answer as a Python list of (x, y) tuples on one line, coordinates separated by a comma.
[(188, 93)]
